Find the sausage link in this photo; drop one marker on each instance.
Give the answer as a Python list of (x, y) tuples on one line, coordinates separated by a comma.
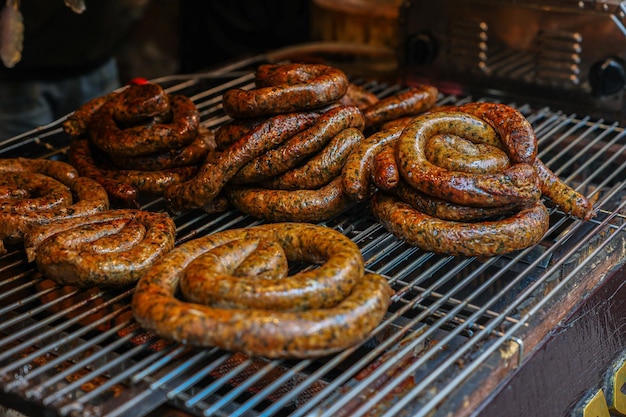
[(455, 153), (264, 332), (358, 96), (81, 158), (191, 154), (385, 174), (445, 210), (515, 131), (140, 102), (152, 182), (514, 185), (61, 171), (489, 238), (111, 139), (314, 85), (229, 133), (41, 199), (77, 122), (413, 101), (357, 171), (82, 252), (564, 196), (298, 205), (322, 167), (279, 160), (213, 175)]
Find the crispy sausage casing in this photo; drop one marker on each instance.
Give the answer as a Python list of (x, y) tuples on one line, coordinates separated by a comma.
[(107, 249), (521, 230), (261, 331), (41, 191), (514, 185), (287, 88)]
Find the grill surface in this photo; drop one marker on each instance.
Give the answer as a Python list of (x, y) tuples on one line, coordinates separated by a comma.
[(453, 321)]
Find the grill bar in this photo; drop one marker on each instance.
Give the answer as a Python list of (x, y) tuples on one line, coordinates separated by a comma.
[(81, 354)]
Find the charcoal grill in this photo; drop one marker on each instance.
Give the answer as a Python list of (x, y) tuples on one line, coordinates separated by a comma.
[(456, 329)]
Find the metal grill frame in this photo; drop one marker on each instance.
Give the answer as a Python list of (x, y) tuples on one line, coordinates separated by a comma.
[(454, 324)]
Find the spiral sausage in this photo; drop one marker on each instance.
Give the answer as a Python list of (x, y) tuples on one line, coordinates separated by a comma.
[(106, 134), (298, 205), (112, 248), (514, 185), (287, 88), (521, 230), (286, 156), (207, 184), (297, 331), (40, 191)]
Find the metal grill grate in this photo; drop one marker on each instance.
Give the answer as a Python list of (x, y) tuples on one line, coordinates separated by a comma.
[(453, 321)]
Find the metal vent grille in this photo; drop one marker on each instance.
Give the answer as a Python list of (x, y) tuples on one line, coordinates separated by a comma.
[(453, 321)]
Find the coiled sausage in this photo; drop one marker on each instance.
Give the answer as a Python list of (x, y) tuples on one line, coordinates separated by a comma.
[(261, 331), (488, 238), (112, 248), (287, 88)]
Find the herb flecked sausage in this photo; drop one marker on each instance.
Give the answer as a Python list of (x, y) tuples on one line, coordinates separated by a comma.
[(488, 238), (112, 248), (213, 175), (287, 88), (514, 185), (262, 331), (283, 205), (300, 146)]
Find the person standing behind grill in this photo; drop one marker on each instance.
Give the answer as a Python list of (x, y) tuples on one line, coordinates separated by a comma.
[(67, 59)]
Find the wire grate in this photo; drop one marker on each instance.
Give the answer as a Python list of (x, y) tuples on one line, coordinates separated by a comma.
[(71, 352)]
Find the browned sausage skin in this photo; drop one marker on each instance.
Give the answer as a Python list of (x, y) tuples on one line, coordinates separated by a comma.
[(109, 137), (521, 230), (213, 175), (412, 101), (298, 205), (564, 196), (357, 171), (41, 191), (287, 88), (264, 332), (300, 146), (322, 167), (112, 248), (514, 185)]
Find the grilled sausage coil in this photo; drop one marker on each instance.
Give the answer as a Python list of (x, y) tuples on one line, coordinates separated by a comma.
[(286, 88), (138, 141), (515, 184), (111, 248), (41, 191), (310, 313), (215, 174), (469, 182), (412, 101), (488, 238)]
